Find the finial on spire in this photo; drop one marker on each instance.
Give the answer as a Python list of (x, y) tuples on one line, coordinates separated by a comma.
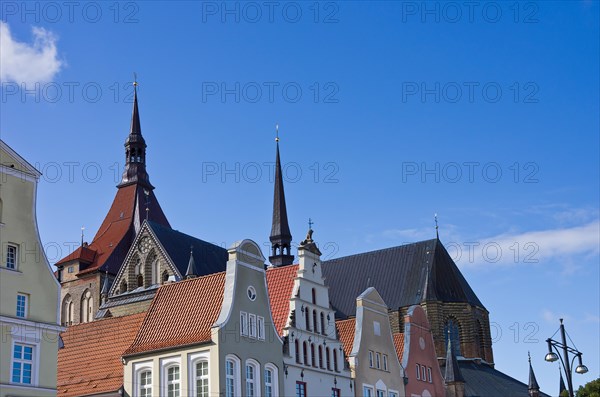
[(191, 270), (310, 223), (135, 83), (529, 356), (276, 132), (437, 233)]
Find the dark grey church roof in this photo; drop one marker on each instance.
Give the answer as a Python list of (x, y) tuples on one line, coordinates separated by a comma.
[(481, 380), (209, 258), (403, 275)]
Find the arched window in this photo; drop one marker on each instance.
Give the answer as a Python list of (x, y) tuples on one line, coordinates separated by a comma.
[(314, 296), (201, 378), (165, 276), (320, 356), (452, 330), (297, 346), (305, 352), (327, 358), (322, 323), (87, 306), (173, 381), (315, 322), (145, 383), (232, 376), (252, 378), (150, 269), (335, 360), (140, 280), (67, 311), (155, 272), (313, 356), (271, 381), (307, 318), (123, 286)]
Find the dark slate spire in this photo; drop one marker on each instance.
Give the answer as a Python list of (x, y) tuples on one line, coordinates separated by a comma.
[(533, 388), (452, 373), (191, 269), (135, 150), (105, 287), (281, 238), (561, 386)]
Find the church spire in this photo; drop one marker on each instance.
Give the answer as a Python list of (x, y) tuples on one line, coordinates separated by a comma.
[(191, 269), (452, 373), (281, 238), (534, 388), (135, 150)]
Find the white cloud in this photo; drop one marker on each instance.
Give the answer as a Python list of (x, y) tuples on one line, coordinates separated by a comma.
[(22, 62), (554, 318), (531, 247)]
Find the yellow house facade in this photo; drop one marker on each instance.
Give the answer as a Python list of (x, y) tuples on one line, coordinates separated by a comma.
[(29, 292)]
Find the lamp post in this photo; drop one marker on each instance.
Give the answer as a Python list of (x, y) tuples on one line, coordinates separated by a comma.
[(566, 350)]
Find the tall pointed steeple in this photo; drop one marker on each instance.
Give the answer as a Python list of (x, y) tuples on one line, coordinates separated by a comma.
[(452, 373), (281, 238), (135, 150), (191, 269), (533, 387)]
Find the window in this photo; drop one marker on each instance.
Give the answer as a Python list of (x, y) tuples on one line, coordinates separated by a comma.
[(367, 391), (251, 293), (429, 375), (451, 329), (261, 327), (314, 296), (385, 362), (297, 346), (313, 356), (392, 394), (145, 384), (370, 359), (305, 351), (418, 371), (252, 325), (140, 281), (251, 388), (244, 323), (423, 377), (377, 328), (230, 378), (22, 364), (378, 360), (307, 318), (335, 360), (70, 269), (123, 286), (201, 379), (21, 305), (11, 256), (380, 393), (173, 381), (165, 277), (320, 356), (269, 383), (315, 323), (300, 389), (322, 323), (335, 392), (67, 310), (87, 307), (327, 358)]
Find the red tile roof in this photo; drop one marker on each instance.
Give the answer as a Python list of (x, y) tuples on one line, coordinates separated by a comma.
[(117, 231), (90, 361), (346, 329), (399, 344), (181, 314), (280, 282)]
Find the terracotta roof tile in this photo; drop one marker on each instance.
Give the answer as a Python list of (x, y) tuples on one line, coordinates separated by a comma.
[(90, 361), (280, 282), (399, 344), (115, 235), (181, 314), (346, 330)]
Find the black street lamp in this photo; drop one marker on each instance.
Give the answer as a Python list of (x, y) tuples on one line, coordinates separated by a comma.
[(567, 365)]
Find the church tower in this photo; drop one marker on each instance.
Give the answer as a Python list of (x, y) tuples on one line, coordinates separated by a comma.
[(281, 238), (83, 272)]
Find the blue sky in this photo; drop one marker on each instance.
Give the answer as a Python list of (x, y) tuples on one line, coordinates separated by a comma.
[(388, 113)]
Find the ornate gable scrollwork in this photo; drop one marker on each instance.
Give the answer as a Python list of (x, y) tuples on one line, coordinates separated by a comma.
[(145, 266)]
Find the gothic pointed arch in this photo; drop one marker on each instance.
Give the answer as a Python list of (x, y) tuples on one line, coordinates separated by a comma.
[(67, 310), (452, 331)]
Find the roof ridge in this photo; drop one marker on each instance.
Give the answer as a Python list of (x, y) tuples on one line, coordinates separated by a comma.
[(196, 279), (106, 319), (380, 250)]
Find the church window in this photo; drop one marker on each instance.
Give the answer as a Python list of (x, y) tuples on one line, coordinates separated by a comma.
[(87, 307), (315, 323), (123, 286), (67, 310), (314, 296), (335, 360), (140, 280), (307, 318), (322, 323), (297, 346), (313, 356), (165, 277), (451, 330), (305, 353), (320, 356), (328, 358)]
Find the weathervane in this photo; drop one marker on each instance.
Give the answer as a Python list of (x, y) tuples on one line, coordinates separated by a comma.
[(437, 234)]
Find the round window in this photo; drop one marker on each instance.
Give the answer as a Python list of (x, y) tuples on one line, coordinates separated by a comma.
[(251, 293)]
